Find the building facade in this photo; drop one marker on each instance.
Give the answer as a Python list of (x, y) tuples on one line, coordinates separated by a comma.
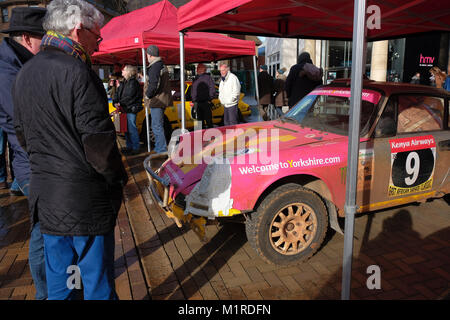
[(394, 60)]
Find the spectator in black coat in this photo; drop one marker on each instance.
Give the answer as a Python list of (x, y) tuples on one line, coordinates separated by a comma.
[(203, 91), (302, 79), (265, 89), (77, 174), (128, 99)]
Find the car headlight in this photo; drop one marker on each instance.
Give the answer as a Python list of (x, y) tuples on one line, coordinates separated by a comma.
[(212, 194)]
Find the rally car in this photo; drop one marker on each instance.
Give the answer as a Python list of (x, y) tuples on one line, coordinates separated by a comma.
[(287, 177), (172, 114)]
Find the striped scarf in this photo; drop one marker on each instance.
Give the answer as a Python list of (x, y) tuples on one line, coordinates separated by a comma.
[(70, 46)]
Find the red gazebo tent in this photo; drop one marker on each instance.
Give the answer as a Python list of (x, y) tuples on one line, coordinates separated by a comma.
[(125, 36), (313, 19), (324, 19)]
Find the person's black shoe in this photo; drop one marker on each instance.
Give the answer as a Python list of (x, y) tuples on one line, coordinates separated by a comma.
[(16, 193)]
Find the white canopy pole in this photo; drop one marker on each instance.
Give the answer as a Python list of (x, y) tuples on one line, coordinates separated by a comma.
[(358, 67), (183, 99), (256, 80), (146, 109)]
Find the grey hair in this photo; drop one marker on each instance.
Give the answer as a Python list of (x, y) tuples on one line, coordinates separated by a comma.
[(132, 70), (224, 64), (63, 15)]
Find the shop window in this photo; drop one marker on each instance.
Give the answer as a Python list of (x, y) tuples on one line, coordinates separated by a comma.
[(274, 63), (5, 15), (419, 113)]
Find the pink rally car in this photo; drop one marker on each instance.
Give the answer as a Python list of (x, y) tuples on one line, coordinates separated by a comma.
[(287, 177)]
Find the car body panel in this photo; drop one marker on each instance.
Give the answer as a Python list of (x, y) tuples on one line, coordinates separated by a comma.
[(389, 171)]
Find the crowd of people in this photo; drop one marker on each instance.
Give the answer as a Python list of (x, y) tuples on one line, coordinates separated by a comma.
[(73, 173), (284, 91), (438, 78)]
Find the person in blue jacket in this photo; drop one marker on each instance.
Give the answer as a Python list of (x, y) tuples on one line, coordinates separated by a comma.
[(25, 33)]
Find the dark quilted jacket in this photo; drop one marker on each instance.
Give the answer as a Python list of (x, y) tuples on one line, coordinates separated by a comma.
[(62, 121)]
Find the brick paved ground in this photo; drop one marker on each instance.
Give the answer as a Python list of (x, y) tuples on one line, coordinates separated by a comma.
[(411, 244)]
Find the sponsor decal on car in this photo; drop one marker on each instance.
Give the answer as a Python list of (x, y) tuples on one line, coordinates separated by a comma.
[(301, 163), (412, 165), (367, 95)]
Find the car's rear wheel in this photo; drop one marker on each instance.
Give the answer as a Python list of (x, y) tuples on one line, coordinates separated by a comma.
[(289, 225)]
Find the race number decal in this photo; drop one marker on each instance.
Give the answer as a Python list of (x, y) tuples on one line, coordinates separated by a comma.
[(412, 165)]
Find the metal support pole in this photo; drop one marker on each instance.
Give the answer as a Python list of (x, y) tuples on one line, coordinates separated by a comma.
[(323, 60), (183, 99), (256, 80), (144, 70), (358, 67)]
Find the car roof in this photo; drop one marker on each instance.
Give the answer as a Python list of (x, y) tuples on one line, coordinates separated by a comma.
[(389, 88)]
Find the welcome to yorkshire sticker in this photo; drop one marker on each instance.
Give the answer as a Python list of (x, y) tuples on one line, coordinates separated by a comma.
[(412, 165)]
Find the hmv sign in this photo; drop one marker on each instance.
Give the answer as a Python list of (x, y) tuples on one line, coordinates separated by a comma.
[(421, 53), (425, 61)]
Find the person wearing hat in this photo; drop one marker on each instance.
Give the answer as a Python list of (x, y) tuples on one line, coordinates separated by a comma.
[(77, 174), (158, 94), (265, 89), (302, 79), (25, 33), (280, 96)]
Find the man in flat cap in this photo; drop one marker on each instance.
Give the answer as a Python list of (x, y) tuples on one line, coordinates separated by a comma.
[(159, 94), (25, 33)]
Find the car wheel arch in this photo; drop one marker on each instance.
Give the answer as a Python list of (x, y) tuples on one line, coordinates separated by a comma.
[(310, 182)]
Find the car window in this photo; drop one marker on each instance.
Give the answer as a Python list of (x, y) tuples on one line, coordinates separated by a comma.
[(419, 113), (329, 113), (386, 124)]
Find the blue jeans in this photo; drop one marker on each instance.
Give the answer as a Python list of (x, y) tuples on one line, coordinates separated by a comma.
[(132, 135), (94, 257), (158, 129), (36, 261)]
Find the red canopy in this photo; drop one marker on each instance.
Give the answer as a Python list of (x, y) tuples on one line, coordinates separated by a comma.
[(124, 36), (313, 19)]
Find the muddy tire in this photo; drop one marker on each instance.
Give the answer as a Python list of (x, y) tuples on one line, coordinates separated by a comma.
[(289, 225)]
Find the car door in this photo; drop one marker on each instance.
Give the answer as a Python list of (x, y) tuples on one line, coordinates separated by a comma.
[(411, 156)]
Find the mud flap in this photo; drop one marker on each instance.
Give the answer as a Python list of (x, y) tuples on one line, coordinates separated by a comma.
[(333, 218)]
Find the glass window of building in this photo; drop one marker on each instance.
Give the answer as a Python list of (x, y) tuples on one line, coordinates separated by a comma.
[(274, 63), (5, 15)]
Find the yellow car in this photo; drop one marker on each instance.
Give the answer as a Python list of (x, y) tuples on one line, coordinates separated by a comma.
[(172, 114)]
